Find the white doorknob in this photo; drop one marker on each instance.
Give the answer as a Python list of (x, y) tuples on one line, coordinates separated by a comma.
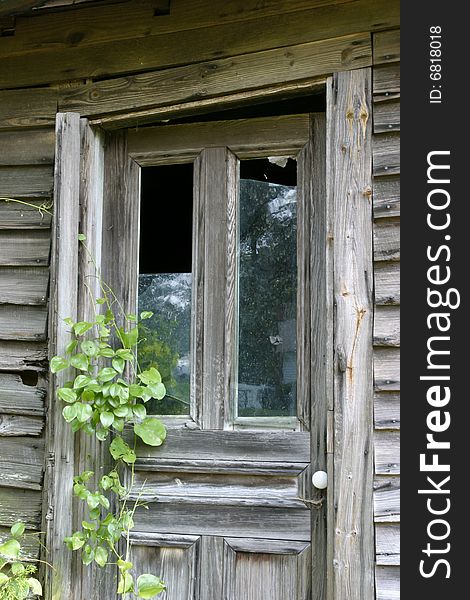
[(320, 480)]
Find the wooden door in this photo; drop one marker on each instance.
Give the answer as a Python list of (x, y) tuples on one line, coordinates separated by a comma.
[(232, 514)]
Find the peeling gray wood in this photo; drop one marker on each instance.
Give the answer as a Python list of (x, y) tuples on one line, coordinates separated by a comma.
[(14, 215), (350, 156), (211, 568), (387, 499), (387, 452), (387, 410), (387, 283), (387, 369), (33, 147), (24, 285), (386, 197), (22, 322), (387, 582), (18, 356), (64, 272), (387, 239), (20, 505), (26, 181), (21, 462), (215, 466), (387, 116), (386, 46), (386, 81), (15, 425), (388, 543), (386, 154), (16, 398), (387, 326), (20, 248)]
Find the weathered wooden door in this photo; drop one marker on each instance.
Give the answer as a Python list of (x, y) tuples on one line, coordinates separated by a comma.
[(232, 514)]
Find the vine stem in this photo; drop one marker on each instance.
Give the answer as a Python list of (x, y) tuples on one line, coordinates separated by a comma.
[(43, 208)]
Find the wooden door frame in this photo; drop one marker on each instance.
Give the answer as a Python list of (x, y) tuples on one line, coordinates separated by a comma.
[(342, 224)]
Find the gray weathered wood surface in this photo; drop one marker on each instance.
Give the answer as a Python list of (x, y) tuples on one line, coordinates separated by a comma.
[(18, 249), (387, 582), (22, 322), (387, 410), (16, 398), (388, 543), (387, 283), (21, 462), (386, 498), (24, 285), (19, 216), (386, 197)]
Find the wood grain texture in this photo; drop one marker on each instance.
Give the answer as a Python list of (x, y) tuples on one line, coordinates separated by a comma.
[(27, 108), (387, 369), (21, 462), (16, 398), (27, 147), (20, 356), (219, 77), (387, 326), (387, 239), (387, 582), (387, 283), (14, 215), (24, 285), (14, 425), (387, 499), (386, 197), (386, 82), (387, 543), (211, 568), (386, 46), (20, 248), (386, 154), (20, 505), (387, 452), (349, 158), (26, 181), (64, 291), (31, 545), (22, 322), (387, 116), (245, 138), (387, 410)]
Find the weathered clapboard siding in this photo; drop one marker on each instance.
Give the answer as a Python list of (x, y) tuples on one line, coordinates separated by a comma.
[(20, 356), (26, 181), (386, 89), (31, 544), (27, 108), (20, 249), (17, 398), (27, 147), (24, 285), (15, 425), (21, 462), (24, 505), (14, 215), (22, 322)]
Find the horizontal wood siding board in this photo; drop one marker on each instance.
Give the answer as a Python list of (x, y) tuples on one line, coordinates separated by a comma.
[(243, 137), (387, 240), (27, 108), (387, 452), (387, 538), (17, 425), (156, 52), (387, 283), (33, 147), (30, 546), (22, 322), (21, 462), (386, 47), (15, 215), (386, 154), (387, 326), (20, 505), (219, 77), (20, 356), (387, 369), (386, 197), (387, 116), (26, 182), (387, 410), (387, 498), (16, 398), (24, 285), (24, 248), (387, 582), (386, 81)]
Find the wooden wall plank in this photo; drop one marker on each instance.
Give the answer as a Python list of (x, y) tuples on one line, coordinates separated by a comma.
[(387, 283), (14, 215), (387, 116), (388, 543), (386, 46), (16, 398), (15, 425), (387, 452), (386, 81), (387, 410), (387, 369), (349, 142), (387, 240), (21, 462), (387, 326), (31, 544), (220, 77), (27, 108), (20, 356), (20, 505), (26, 182), (386, 152), (21, 248), (22, 322), (386, 498), (387, 582), (24, 285), (29, 147), (386, 197)]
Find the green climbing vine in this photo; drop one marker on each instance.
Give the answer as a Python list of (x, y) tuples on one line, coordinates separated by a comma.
[(17, 580)]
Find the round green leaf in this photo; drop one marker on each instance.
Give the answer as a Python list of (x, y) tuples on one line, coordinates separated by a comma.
[(118, 364), (121, 450), (107, 374), (89, 348), (17, 529), (150, 376), (151, 431), (126, 583), (80, 361), (58, 364), (10, 549), (81, 381), (67, 395), (17, 568), (121, 411), (88, 554), (101, 556), (82, 327), (81, 237), (84, 412), (149, 586), (70, 412), (3, 578), (35, 586), (157, 390), (106, 418), (146, 314), (70, 347), (139, 411), (124, 565)]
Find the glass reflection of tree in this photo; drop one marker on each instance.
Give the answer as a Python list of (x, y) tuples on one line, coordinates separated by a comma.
[(267, 293)]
